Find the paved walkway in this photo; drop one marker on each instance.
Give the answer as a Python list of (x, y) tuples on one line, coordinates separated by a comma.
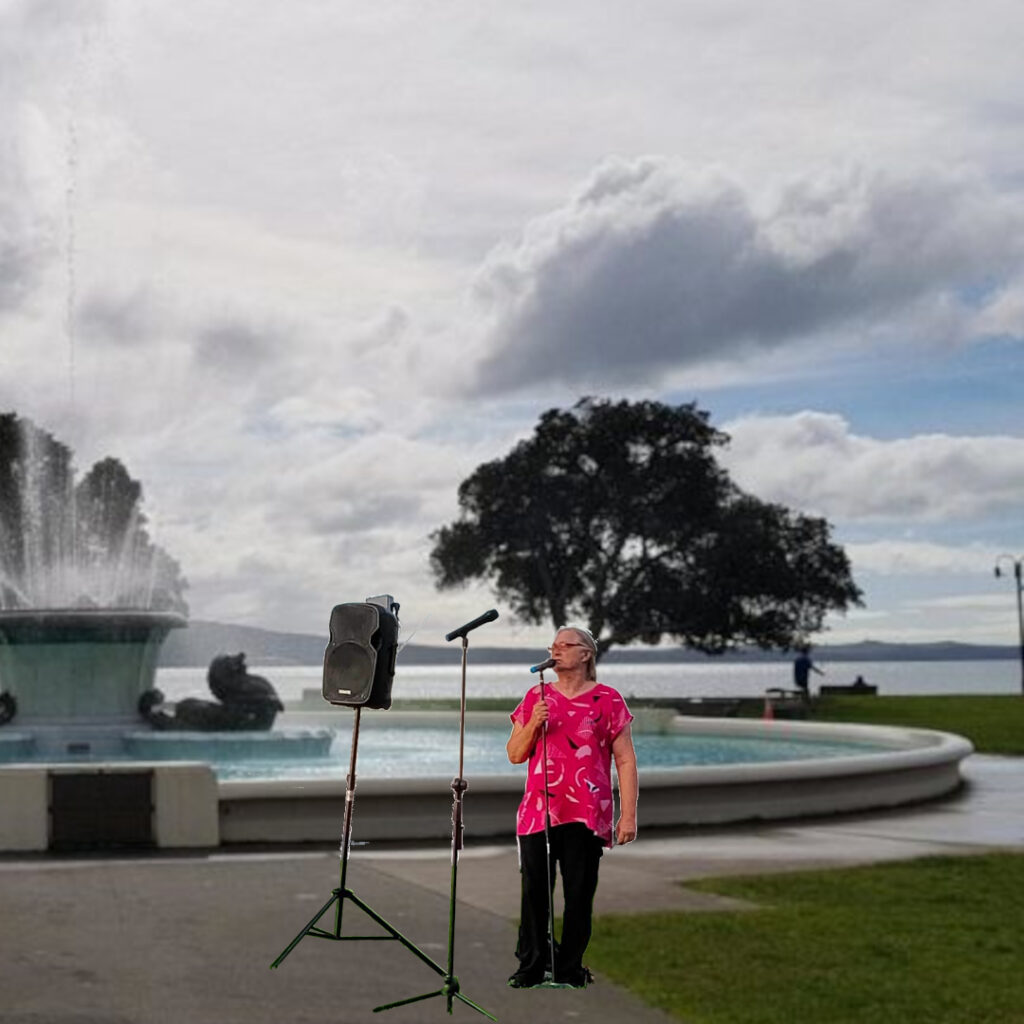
[(188, 939)]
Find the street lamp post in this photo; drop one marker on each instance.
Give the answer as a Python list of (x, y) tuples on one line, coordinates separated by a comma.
[(1016, 563)]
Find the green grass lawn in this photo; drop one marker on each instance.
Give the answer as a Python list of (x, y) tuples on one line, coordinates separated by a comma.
[(994, 724), (933, 941)]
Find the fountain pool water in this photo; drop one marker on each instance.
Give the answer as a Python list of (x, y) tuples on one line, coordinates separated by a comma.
[(417, 751)]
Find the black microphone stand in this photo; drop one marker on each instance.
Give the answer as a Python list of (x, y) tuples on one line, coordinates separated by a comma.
[(549, 976), (547, 836), (450, 987)]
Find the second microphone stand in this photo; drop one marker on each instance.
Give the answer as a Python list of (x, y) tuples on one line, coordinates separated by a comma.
[(450, 986)]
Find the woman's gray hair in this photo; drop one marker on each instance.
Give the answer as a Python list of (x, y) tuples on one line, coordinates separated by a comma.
[(587, 638)]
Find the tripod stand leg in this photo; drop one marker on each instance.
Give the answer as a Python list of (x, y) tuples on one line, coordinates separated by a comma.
[(309, 927), (469, 1002), (411, 999), (395, 933), (450, 991)]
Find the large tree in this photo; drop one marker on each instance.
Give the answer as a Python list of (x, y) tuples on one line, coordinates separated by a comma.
[(618, 515)]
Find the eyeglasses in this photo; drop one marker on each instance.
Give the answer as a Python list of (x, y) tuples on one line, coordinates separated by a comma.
[(562, 647)]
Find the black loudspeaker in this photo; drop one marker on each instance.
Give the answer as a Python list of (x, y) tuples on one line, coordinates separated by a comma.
[(359, 663)]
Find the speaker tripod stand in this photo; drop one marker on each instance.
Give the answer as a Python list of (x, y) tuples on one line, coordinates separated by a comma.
[(450, 988)]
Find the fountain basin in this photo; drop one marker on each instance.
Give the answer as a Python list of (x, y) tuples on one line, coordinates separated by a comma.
[(907, 766), (80, 668)]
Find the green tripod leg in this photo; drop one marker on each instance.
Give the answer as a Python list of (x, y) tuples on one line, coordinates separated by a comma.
[(343, 893)]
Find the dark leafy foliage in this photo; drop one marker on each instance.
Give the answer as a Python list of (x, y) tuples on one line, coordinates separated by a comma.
[(619, 515)]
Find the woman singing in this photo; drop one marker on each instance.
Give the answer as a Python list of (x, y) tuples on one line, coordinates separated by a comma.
[(587, 725)]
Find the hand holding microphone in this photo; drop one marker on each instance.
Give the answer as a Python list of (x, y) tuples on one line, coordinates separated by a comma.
[(539, 715)]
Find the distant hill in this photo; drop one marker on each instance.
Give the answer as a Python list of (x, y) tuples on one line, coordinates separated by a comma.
[(200, 642)]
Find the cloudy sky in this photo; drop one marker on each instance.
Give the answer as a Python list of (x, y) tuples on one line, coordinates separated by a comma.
[(303, 267)]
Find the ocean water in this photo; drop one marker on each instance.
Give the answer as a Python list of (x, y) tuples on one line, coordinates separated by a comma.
[(722, 679)]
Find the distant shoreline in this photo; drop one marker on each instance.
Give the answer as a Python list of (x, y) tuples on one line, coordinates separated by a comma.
[(200, 642)]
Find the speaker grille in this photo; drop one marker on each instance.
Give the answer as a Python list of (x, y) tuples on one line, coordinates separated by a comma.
[(348, 672)]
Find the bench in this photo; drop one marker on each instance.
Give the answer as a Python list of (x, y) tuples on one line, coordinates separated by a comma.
[(853, 690), (710, 707)]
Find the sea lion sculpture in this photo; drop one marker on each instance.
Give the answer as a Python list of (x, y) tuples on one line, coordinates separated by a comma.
[(8, 707), (244, 702)]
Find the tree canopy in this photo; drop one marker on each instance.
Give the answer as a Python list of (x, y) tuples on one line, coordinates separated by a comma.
[(618, 515)]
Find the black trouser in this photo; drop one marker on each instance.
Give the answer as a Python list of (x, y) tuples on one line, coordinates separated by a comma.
[(576, 851)]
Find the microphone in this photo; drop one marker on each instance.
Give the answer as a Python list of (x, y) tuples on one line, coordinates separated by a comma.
[(478, 621), (550, 663)]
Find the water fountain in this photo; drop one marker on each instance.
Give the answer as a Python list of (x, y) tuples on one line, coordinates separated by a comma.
[(86, 598)]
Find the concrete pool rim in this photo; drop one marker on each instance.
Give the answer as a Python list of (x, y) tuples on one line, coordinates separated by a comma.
[(192, 808), (916, 765)]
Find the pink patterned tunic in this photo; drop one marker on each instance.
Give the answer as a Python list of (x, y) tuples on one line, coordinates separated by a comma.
[(581, 731)]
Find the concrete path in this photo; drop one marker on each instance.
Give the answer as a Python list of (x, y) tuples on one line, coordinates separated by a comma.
[(987, 814), (164, 939)]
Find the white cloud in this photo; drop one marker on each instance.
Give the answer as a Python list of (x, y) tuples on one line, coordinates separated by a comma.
[(814, 461), (1003, 314), (910, 558), (968, 602), (647, 269)]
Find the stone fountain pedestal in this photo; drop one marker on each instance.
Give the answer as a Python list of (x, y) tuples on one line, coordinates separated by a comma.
[(77, 676), (78, 767)]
